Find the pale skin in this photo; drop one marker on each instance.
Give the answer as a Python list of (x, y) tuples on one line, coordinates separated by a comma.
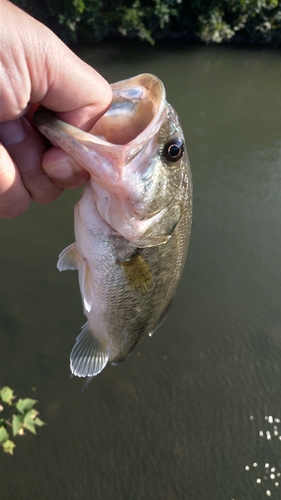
[(36, 67)]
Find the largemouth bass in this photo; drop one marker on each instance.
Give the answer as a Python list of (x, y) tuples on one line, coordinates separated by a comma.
[(132, 223)]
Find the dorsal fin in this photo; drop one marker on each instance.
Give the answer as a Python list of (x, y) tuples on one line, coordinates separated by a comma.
[(88, 356)]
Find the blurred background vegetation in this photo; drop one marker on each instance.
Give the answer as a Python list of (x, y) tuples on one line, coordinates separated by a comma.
[(217, 21)]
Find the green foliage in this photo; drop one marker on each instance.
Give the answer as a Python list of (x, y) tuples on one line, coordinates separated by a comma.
[(142, 18), (241, 20), (26, 418), (7, 395), (213, 21)]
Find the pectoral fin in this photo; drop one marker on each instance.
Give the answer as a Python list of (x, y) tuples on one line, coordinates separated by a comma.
[(137, 272), (88, 357), (68, 258)]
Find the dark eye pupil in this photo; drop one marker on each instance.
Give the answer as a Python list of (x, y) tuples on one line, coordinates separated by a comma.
[(173, 149)]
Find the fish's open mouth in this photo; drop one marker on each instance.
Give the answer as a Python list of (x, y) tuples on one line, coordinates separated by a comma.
[(132, 110), (124, 121), (132, 124)]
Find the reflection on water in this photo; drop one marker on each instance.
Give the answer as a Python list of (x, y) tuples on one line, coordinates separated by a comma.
[(266, 476), (182, 418)]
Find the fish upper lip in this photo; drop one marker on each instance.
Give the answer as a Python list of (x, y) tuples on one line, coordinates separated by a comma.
[(138, 94)]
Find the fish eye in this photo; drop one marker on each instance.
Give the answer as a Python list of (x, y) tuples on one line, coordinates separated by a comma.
[(173, 149)]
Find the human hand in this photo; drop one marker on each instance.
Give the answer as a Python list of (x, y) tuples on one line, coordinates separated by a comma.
[(36, 67)]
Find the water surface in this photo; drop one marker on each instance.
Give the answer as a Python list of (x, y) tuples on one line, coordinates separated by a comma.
[(194, 413)]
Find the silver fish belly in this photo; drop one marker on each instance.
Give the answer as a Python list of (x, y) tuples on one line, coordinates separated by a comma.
[(132, 223)]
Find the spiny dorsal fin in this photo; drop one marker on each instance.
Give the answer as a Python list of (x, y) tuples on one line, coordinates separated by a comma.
[(68, 258), (137, 272), (88, 356)]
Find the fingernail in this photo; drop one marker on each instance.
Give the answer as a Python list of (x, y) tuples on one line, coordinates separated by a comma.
[(60, 170), (12, 132)]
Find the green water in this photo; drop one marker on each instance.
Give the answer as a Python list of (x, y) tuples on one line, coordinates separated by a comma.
[(187, 413)]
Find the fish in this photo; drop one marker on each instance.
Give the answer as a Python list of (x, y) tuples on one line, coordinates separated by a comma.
[(133, 222)]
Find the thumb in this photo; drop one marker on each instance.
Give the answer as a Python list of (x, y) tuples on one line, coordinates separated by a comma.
[(39, 67)]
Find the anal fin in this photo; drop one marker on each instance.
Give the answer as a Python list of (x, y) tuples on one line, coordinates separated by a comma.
[(88, 356)]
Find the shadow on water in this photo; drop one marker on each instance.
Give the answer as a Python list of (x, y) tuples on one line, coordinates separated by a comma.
[(194, 413)]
